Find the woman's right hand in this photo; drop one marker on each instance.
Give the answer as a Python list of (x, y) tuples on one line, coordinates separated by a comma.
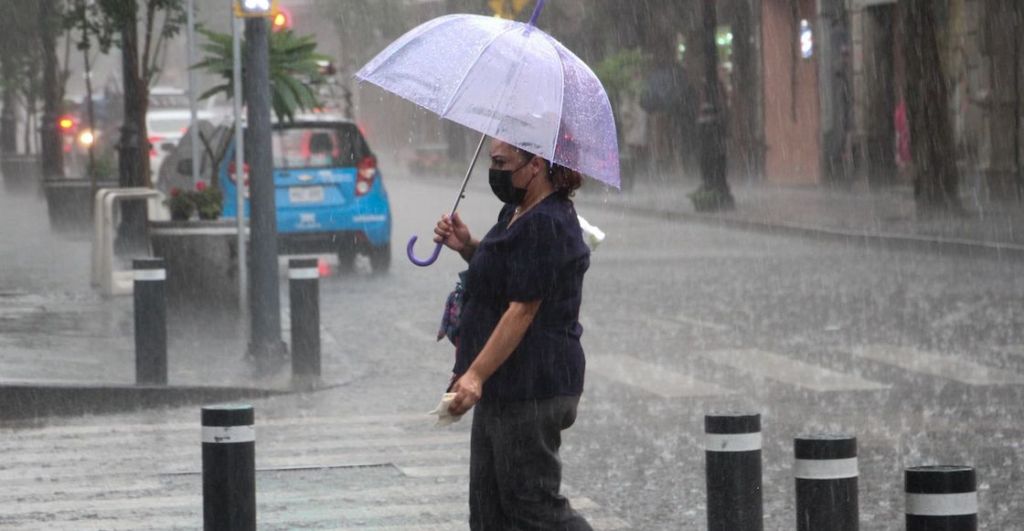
[(452, 232)]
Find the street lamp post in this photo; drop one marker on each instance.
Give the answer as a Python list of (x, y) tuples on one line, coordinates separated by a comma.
[(714, 193), (265, 302)]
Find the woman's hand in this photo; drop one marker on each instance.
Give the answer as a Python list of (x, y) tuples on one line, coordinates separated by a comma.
[(468, 389), (454, 234)]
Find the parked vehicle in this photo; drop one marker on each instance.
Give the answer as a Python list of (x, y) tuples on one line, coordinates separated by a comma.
[(330, 195)]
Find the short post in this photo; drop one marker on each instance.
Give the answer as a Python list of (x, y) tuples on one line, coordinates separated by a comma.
[(825, 468), (150, 299), (733, 465), (304, 299), (229, 468), (941, 497)]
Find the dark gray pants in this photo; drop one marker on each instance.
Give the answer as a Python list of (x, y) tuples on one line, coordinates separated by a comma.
[(514, 470)]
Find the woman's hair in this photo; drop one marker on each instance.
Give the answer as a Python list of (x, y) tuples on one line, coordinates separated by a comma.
[(565, 180)]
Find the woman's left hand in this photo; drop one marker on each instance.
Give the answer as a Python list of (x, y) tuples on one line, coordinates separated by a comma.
[(468, 389)]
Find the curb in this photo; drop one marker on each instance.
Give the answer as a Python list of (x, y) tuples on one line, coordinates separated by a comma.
[(20, 401), (867, 239)]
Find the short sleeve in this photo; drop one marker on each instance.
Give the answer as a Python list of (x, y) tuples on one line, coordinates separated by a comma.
[(537, 252)]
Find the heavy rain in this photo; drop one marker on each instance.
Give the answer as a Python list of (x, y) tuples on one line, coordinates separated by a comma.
[(786, 293)]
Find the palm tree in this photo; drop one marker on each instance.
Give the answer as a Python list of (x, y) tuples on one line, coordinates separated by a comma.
[(294, 69)]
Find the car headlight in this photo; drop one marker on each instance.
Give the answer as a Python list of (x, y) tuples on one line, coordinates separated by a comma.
[(86, 138)]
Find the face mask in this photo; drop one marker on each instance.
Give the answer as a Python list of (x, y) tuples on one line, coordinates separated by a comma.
[(504, 190)]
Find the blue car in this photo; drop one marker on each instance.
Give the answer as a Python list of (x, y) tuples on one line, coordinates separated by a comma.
[(330, 196)]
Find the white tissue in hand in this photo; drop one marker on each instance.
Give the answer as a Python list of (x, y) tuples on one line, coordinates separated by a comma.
[(592, 235), (444, 417)]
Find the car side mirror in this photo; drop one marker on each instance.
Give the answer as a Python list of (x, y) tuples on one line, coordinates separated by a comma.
[(184, 167)]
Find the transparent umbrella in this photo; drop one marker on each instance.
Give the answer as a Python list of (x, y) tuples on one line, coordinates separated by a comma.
[(507, 80)]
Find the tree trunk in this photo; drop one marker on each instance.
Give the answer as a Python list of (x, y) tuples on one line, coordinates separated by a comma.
[(936, 178), (134, 148), (52, 154), (9, 115), (714, 193)]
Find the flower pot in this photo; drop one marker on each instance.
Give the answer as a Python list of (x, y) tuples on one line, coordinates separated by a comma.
[(201, 258)]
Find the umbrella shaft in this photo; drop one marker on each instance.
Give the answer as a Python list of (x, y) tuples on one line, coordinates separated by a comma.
[(469, 172)]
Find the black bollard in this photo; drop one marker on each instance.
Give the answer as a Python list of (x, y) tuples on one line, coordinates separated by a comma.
[(733, 459), (825, 468), (229, 468), (304, 295), (941, 498), (150, 299)]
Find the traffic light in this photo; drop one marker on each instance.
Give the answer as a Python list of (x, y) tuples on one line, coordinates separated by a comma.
[(66, 123), (254, 8), (281, 20)]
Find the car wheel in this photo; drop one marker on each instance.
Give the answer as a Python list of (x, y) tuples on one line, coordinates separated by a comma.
[(380, 259), (346, 261)]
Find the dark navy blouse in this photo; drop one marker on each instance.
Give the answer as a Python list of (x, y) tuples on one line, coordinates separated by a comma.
[(541, 256)]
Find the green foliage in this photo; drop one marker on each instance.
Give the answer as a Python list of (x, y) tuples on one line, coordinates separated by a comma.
[(21, 48), (293, 70), (105, 18), (621, 72), (104, 167)]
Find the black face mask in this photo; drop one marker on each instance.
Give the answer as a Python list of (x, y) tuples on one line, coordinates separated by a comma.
[(501, 185)]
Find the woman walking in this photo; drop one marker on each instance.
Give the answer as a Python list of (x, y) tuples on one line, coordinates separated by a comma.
[(519, 360)]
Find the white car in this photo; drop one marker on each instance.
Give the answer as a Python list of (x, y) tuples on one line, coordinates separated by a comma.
[(167, 121)]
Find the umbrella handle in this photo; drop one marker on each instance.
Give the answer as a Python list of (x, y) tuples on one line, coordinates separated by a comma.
[(536, 12), (412, 255)]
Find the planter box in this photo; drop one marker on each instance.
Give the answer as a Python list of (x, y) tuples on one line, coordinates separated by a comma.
[(69, 203), (22, 173), (202, 264)]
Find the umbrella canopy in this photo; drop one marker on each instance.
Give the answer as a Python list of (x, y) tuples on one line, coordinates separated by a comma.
[(507, 80)]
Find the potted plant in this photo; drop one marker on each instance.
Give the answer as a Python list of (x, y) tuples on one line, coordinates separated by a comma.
[(208, 201), (204, 200), (180, 205)]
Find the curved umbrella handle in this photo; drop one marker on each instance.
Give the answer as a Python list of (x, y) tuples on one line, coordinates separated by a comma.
[(422, 263)]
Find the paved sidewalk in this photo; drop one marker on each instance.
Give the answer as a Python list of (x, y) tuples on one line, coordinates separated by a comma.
[(66, 349), (885, 215)]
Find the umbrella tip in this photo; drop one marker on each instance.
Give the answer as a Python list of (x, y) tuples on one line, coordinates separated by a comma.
[(536, 12)]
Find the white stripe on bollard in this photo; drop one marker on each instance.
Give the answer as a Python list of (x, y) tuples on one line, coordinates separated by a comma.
[(144, 275), (942, 504), (732, 442), (304, 273), (229, 434), (825, 468)]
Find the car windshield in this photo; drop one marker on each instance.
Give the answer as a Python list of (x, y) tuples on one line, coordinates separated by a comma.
[(169, 125), (168, 101), (316, 146)]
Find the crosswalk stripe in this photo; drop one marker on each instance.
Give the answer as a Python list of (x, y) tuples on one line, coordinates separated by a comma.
[(185, 446), (434, 471), (786, 370), (649, 377), (301, 513), (90, 476), (264, 435), (108, 506), (943, 366), (193, 464), (417, 418)]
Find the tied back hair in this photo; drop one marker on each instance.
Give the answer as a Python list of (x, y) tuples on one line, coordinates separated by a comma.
[(565, 180)]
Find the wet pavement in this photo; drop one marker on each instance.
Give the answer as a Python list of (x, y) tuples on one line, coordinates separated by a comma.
[(921, 355), (883, 212)]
